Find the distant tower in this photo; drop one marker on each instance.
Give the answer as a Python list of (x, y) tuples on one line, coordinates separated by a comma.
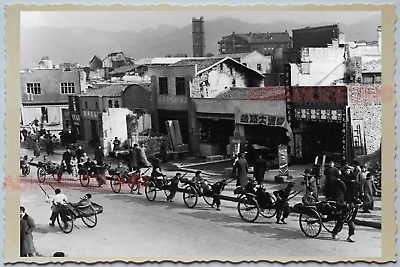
[(379, 38), (198, 37)]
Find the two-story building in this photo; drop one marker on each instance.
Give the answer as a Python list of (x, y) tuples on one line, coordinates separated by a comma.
[(44, 93)]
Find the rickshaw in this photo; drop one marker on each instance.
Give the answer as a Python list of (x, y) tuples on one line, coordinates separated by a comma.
[(152, 186), (193, 191), (133, 179), (87, 213), (48, 168), (98, 172), (311, 220)]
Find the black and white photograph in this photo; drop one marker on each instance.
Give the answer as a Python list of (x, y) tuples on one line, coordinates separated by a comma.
[(202, 135)]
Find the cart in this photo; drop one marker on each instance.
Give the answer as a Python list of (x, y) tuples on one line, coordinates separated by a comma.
[(98, 172), (133, 179), (153, 186), (68, 214), (311, 220), (192, 191), (249, 207), (45, 169)]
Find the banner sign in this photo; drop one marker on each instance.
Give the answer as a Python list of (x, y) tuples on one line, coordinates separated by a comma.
[(312, 114), (283, 160), (90, 114), (268, 120)]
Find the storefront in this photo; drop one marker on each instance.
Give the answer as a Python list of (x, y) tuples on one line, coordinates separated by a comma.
[(92, 127)]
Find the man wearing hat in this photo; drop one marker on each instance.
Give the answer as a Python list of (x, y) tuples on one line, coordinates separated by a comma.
[(282, 205)]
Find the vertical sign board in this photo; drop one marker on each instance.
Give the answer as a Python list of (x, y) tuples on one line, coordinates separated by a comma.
[(344, 134), (283, 160)]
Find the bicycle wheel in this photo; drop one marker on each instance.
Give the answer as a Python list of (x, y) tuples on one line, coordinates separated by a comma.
[(248, 208), (310, 223), (41, 174), (190, 196), (84, 180), (90, 221), (68, 225), (151, 191), (116, 183), (329, 224), (269, 212)]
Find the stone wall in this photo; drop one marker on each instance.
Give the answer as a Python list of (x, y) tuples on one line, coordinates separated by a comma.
[(217, 80), (365, 105)]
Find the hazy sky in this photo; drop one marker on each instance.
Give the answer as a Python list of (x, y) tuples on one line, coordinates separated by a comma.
[(138, 20)]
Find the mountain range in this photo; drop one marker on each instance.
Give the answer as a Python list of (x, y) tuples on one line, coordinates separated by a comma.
[(79, 44)]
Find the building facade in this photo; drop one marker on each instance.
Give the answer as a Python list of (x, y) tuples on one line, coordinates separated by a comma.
[(44, 93), (265, 43)]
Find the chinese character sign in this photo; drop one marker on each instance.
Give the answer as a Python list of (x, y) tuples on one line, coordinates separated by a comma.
[(268, 120)]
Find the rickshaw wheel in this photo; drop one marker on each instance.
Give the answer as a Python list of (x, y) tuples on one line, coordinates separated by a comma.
[(116, 183), (208, 198), (84, 180), (190, 196), (310, 223), (90, 221), (270, 211), (67, 226), (133, 182), (248, 208), (151, 191), (41, 174)]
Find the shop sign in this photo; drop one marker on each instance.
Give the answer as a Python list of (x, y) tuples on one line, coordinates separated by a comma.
[(267, 120), (76, 117), (90, 114), (311, 114)]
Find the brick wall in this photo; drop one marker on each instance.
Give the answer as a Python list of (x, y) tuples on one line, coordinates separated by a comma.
[(365, 105)]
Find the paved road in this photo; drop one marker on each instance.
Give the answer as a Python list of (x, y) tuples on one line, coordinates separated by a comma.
[(132, 226)]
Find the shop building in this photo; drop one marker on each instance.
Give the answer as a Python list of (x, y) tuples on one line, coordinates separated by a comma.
[(44, 93)]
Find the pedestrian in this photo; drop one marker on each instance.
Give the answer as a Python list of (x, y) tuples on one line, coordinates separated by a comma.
[(117, 144), (242, 168), (79, 152), (66, 158), (36, 148), (74, 167), (132, 159), (331, 172), (49, 145), (56, 201), (311, 181), (348, 178), (27, 225), (83, 158), (367, 192), (174, 186), (348, 209), (282, 205), (260, 167), (99, 156), (142, 158), (164, 151), (360, 178)]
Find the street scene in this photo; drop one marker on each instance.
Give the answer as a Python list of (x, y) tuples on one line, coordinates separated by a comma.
[(211, 136)]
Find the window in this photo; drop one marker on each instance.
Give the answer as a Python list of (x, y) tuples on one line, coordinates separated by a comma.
[(180, 86), (163, 85), (86, 104), (259, 67), (33, 88), (110, 105), (97, 105), (116, 104), (68, 88)]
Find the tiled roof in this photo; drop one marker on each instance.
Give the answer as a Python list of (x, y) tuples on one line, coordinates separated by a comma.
[(246, 93), (111, 90), (202, 63)]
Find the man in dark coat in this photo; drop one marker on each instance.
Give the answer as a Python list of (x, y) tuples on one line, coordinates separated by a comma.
[(350, 181), (242, 169), (99, 156), (260, 167), (330, 173), (132, 159), (338, 191), (27, 225), (66, 157)]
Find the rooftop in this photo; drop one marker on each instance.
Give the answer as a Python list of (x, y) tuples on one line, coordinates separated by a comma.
[(264, 37), (247, 93), (202, 63), (111, 90)]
